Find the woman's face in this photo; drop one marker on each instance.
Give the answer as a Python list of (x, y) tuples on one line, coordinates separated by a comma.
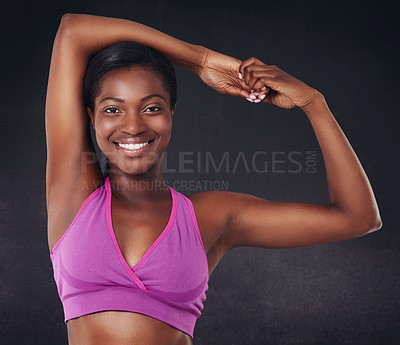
[(132, 120)]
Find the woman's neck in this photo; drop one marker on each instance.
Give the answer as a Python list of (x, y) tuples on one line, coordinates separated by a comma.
[(133, 188)]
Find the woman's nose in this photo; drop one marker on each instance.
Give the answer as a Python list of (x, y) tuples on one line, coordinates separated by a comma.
[(133, 123)]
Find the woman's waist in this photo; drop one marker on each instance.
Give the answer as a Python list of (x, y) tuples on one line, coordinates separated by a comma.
[(121, 327)]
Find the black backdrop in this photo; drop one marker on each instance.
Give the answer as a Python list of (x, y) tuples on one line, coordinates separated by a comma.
[(337, 293)]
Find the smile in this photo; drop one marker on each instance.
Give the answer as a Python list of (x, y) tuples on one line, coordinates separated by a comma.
[(132, 147)]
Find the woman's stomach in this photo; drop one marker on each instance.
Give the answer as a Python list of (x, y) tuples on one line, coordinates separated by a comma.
[(123, 328)]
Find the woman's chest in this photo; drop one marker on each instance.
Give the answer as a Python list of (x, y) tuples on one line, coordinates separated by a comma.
[(156, 248), (137, 228)]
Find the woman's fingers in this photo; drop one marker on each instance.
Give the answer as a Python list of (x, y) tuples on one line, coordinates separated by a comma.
[(249, 66), (254, 72), (257, 97), (264, 92), (268, 83), (248, 62), (259, 78), (237, 91)]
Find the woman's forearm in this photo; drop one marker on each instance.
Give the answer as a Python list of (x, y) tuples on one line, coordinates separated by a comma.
[(348, 185), (92, 33)]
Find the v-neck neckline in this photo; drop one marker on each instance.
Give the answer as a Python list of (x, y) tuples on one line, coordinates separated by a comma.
[(166, 229)]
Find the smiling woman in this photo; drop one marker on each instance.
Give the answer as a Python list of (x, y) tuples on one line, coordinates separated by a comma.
[(132, 119), (132, 257)]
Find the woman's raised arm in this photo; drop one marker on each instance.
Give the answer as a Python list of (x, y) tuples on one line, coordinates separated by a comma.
[(94, 33), (244, 220), (72, 171)]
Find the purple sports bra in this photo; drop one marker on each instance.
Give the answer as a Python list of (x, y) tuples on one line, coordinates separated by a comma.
[(168, 283)]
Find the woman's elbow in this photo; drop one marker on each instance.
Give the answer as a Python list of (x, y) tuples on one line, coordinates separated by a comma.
[(67, 22), (377, 223), (370, 222)]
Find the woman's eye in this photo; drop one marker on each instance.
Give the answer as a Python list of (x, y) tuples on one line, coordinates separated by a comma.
[(153, 109), (111, 110)]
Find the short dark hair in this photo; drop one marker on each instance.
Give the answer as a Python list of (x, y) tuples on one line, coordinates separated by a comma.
[(125, 55)]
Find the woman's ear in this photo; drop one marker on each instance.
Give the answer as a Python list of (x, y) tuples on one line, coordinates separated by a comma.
[(173, 111), (91, 116)]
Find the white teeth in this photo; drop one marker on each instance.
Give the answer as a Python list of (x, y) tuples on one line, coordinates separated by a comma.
[(132, 146)]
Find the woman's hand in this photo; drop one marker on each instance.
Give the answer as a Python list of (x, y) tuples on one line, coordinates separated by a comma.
[(272, 85), (221, 73)]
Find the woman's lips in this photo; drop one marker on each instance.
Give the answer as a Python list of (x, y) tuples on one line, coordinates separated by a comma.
[(134, 149)]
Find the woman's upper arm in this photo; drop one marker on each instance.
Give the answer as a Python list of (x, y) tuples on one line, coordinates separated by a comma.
[(228, 220), (262, 223), (72, 172)]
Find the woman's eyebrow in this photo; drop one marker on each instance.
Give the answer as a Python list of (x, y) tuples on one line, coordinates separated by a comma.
[(112, 99), (153, 95), (123, 101)]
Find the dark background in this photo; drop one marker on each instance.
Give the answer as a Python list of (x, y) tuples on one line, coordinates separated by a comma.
[(337, 293)]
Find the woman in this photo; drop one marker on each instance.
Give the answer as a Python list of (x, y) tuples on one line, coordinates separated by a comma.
[(131, 256)]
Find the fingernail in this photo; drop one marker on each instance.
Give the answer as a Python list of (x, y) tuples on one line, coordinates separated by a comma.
[(257, 101), (252, 90), (256, 93), (253, 97), (250, 100), (264, 88), (240, 75), (262, 97)]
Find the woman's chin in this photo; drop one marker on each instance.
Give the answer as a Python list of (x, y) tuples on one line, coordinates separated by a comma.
[(134, 169)]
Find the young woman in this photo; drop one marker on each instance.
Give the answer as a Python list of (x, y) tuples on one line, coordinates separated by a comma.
[(131, 255)]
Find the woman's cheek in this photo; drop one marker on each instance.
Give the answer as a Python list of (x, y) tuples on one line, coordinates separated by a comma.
[(104, 129), (162, 124), (107, 127)]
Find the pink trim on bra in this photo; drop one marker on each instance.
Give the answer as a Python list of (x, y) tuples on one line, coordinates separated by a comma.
[(129, 269), (85, 203), (194, 220)]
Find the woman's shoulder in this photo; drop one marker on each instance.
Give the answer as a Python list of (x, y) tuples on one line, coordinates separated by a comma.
[(216, 200), (213, 210)]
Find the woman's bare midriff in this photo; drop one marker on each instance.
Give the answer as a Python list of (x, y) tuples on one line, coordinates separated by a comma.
[(123, 328)]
